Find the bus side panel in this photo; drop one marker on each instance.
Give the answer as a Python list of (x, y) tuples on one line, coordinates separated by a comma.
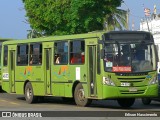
[(79, 73), (19, 87), (20, 79), (5, 79), (68, 89), (59, 77), (99, 71), (58, 89), (37, 79), (38, 88), (34, 74), (63, 77), (99, 87), (5, 86)]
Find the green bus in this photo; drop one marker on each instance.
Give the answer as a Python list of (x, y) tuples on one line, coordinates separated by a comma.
[(118, 65), (1, 40)]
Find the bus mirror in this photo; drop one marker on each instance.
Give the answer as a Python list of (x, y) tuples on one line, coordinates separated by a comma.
[(102, 53)]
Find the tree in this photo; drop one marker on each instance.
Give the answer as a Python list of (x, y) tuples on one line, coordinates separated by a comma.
[(116, 19), (68, 16), (33, 34)]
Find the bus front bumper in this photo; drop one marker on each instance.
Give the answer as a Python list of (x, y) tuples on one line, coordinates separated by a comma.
[(129, 92)]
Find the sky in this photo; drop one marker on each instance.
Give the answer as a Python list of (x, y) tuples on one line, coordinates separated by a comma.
[(13, 21)]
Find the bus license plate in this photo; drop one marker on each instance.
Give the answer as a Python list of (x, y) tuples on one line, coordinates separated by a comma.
[(132, 89), (125, 84)]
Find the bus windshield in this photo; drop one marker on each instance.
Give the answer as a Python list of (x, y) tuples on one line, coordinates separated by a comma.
[(131, 57)]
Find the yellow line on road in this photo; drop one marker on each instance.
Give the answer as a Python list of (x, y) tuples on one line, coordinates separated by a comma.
[(9, 102), (3, 100), (14, 103)]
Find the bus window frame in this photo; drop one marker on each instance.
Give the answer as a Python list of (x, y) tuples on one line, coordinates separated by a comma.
[(40, 54), (17, 55), (6, 56), (54, 57), (82, 63)]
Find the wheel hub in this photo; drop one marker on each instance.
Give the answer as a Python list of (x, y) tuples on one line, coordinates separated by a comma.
[(81, 96), (29, 93)]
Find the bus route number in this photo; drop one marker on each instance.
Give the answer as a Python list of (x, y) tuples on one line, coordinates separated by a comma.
[(5, 76)]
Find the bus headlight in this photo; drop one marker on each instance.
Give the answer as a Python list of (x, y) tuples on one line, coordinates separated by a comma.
[(108, 81), (153, 81)]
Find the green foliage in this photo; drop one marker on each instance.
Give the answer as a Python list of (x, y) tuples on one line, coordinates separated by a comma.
[(68, 16), (116, 19), (33, 34)]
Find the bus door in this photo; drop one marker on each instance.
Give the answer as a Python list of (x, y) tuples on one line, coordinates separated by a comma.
[(92, 70), (48, 70), (12, 70)]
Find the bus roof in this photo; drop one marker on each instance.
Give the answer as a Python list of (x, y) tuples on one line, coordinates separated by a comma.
[(5, 39), (125, 35), (128, 32), (56, 38), (94, 34)]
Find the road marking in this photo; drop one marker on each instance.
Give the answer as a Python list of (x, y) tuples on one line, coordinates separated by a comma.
[(14, 103), (9, 102), (3, 100)]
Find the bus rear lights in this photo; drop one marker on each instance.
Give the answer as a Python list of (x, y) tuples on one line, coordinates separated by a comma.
[(108, 81)]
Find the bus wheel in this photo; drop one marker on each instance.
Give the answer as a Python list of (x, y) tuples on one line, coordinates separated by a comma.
[(146, 101), (79, 97), (29, 96), (126, 102)]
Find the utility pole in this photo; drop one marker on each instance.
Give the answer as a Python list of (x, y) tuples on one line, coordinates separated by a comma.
[(132, 25)]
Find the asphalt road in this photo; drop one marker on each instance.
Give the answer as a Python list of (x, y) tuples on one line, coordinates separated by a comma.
[(12, 102), (17, 102)]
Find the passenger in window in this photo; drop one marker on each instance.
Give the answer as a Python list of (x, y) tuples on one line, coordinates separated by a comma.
[(31, 61), (76, 58), (57, 59), (40, 61), (18, 59), (139, 55), (108, 58), (5, 60), (82, 57), (125, 58)]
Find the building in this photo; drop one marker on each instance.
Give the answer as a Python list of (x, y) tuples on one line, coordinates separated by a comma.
[(153, 25)]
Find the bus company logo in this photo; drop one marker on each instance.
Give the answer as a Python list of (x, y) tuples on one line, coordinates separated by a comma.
[(21, 114), (6, 114), (148, 76)]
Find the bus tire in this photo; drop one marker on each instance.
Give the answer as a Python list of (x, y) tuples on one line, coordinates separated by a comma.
[(79, 97), (29, 95), (146, 101), (126, 102)]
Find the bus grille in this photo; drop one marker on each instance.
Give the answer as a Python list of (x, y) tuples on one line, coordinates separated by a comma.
[(139, 79), (131, 74), (128, 92)]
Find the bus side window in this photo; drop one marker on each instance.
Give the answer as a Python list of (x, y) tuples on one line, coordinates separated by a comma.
[(77, 52), (61, 52), (5, 59), (35, 54), (22, 54)]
